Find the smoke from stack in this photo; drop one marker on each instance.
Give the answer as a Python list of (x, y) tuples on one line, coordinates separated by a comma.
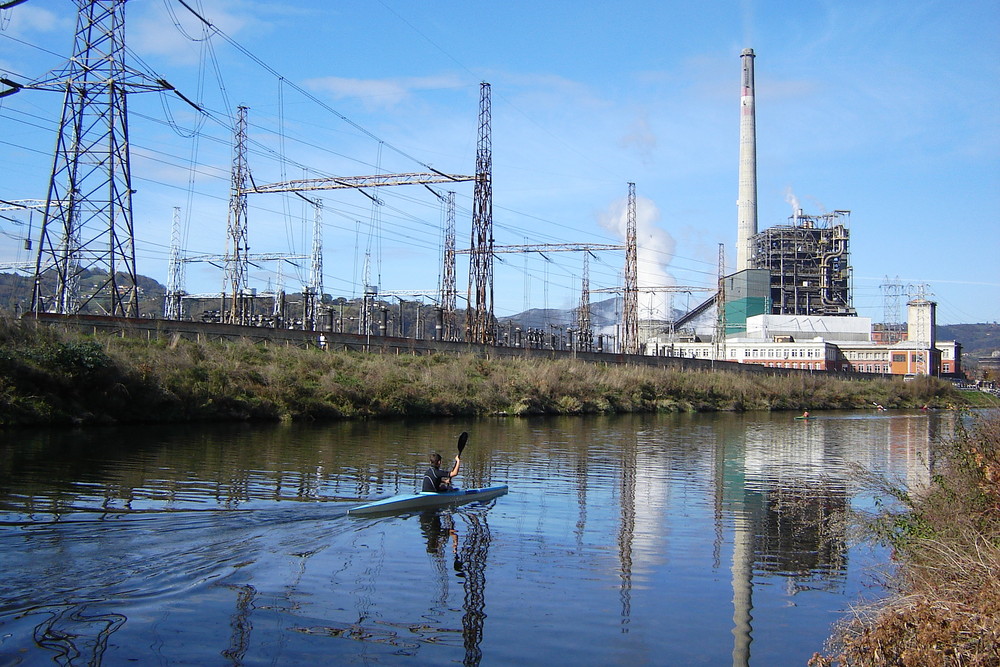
[(747, 201), (655, 248)]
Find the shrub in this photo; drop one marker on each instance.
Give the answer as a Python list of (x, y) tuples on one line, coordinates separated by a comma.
[(945, 604)]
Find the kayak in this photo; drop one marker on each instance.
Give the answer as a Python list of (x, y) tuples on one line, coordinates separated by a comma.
[(427, 499)]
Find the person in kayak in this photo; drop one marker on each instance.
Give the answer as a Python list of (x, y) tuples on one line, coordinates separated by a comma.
[(436, 479)]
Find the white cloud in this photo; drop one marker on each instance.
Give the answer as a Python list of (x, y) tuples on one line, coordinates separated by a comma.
[(26, 19), (175, 33), (380, 93)]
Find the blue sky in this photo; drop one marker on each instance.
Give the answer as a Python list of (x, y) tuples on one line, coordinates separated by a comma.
[(886, 109)]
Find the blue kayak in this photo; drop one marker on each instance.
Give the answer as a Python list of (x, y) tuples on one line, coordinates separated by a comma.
[(427, 500)]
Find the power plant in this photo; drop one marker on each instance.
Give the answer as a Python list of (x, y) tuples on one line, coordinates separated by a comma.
[(789, 303), (792, 282)]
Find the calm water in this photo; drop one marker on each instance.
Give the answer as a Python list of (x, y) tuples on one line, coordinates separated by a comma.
[(673, 540)]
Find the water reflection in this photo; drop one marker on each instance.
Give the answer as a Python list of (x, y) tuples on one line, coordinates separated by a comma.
[(626, 529), (74, 636), (242, 626), (473, 557), (789, 491), (627, 533)]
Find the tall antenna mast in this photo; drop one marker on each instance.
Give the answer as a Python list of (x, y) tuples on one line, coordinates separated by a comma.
[(630, 296), (87, 226), (479, 316)]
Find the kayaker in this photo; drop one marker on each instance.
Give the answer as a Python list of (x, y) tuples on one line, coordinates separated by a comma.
[(436, 479)]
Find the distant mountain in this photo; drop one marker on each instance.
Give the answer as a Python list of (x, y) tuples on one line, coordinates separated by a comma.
[(604, 317), (978, 340), (15, 292), (602, 314)]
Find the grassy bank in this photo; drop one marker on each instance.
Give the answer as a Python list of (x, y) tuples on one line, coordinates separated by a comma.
[(945, 606), (48, 375)]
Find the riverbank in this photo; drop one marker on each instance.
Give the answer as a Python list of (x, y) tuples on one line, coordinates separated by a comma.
[(49, 375), (945, 604)]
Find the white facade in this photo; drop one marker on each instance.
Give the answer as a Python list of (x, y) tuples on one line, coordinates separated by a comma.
[(766, 327)]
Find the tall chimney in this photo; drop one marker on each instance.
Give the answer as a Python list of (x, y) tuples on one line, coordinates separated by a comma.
[(747, 202)]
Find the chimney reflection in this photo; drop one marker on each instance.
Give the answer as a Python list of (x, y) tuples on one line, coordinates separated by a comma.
[(787, 491)]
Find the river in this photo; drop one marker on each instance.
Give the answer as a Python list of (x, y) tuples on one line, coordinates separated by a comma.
[(702, 539)]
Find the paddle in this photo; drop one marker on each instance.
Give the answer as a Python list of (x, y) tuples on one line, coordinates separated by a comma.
[(462, 441)]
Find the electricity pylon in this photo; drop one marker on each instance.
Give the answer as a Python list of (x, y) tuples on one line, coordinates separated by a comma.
[(175, 271), (87, 230), (630, 296), (479, 316), (448, 282)]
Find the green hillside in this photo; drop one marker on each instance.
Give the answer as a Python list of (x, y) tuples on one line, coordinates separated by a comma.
[(978, 340)]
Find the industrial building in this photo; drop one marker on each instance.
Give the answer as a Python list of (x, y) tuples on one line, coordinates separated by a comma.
[(828, 343), (808, 263), (789, 305)]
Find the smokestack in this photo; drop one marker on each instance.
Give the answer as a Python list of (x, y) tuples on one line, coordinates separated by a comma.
[(747, 202)]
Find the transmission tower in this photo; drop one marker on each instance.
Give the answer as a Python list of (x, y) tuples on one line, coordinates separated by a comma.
[(585, 333), (87, 226), (175, 271), (313, 293), (892, 290), (479, 316), (237, 247), (448, 283), (630, 296), (583, 313), (720, 308), (278, 305)]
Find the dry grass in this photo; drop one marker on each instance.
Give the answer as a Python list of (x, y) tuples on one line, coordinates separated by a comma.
[(946, 541), (136, 380)]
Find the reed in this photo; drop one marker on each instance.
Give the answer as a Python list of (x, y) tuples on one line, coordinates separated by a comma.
[(944, 605), (51, 375)]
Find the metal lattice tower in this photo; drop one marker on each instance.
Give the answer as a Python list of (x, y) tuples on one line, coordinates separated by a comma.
[(448, 283), (720, 308), (892, 290), (175, 271), (87, 227), (278, 305), (313, 293), (630, 296), (237, 248), (479, 318), (583, 313)]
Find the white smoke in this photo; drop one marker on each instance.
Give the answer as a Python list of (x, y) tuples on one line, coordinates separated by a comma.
[(793, 200), (654, 251), (641, 138)]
